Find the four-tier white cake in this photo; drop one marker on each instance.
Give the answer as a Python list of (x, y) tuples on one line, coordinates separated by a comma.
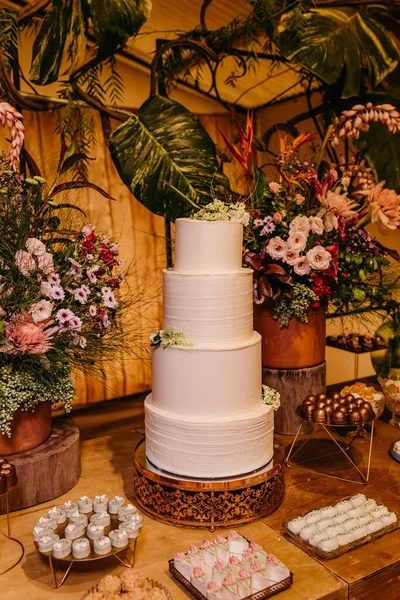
[(205, 417)]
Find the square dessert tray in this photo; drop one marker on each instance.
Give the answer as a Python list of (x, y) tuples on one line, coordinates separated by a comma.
[(266, 592), (358, 520)]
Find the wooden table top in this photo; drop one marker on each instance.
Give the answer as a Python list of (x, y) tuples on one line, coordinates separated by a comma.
[(370, 572)]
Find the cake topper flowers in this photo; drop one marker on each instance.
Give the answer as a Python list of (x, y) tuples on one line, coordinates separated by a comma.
[(271, 397), (169, 337)]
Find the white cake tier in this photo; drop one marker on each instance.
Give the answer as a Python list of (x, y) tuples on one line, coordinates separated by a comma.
[(209, 447), (208, 381), (208, 246), (210, 309)]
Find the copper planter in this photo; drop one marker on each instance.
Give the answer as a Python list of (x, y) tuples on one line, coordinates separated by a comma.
[(29, 429)]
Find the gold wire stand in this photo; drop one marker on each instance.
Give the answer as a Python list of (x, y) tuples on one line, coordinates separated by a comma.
[(344, 450), (8, 535), (130, 550)]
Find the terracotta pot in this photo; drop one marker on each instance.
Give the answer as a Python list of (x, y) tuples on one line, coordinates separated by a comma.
[(29, 429), (296, 346)]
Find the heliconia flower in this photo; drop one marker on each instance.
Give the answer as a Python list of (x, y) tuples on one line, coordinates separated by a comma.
[(12, 118), (352, 122), (25, 262), (41, 311), (319, 258)]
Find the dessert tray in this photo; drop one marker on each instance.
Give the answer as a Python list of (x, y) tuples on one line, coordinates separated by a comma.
[(86, 531), (334, 530), (123, 586), (230, 567)]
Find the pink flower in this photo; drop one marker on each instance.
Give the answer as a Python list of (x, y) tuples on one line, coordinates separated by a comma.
[(80, 295), (106, 321), (180, 556), (385, 208), (243, 574), (275, 187), (233, 535), (299, 199), (88, 230), (64, 315), (254, 546), (45, 262), (272, 560), (92, 310), (212, 586), (300, 224), (57, 293), (319, 258), (333, 206), (75, 323), (198, 572), (108, 297), (297, 241), (41, 311), (35, 247), (233, 561), (114, 249), (256, 566), (302, 266), (54, 279), (2, 312), (91, 273), (268, 228), (257, 223), (25, 262), (277, 248), (277, 217), (82, 342), (248, 554), (317, 225), (26, 337), (228, 580), (46, 289), (219, 565), (291, 256)]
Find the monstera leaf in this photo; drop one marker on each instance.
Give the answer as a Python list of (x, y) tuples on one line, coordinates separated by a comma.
[(114, 21), (382, 151), (62, 34), (338, 39), (165, 154)]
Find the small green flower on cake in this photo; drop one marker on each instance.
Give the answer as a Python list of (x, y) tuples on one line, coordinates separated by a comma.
[(169, 337), (271, 397), (219, 211)]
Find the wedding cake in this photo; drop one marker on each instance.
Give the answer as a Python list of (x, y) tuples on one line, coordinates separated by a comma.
[(205, 417)]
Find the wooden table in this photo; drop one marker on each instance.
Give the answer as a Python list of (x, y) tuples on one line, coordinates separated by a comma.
[(370, 572)]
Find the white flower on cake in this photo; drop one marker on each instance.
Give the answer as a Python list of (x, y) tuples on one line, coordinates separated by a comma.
[(271, 397), (169, 337), (219, 211)]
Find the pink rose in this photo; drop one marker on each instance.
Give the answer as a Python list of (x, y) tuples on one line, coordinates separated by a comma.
[(41, 311), (272, 560), (256, 566), (233, 535), (219, 565), (300, 224), (275, 187), (277, 248), (180, 556), (297, 241), (248, 554), (212, 586), (291, 256), (255, 546), (317, 225), (25, 262), (277, 217), (193, 549), (220, 539), (228, 580), (243, 574), (198, 572), (207, 544), (302, 266), (234, 561), (319, 258)]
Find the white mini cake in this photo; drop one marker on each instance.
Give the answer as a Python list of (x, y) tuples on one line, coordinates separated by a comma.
[(69, 507), (324, 523), (370, 504), (47, 541), (358, 500), (131, 529), (85, 505), (62, 548), (79, 518), (364, 519), (356, 511), (259, 578), (57, 514), (183, 565), (101, 518), (314, 516), (374, 525), (229, 586), (276, 570), (307, 531), (115, 504), (315, 539), (244, 583), (350, 523), (328, 544), (195, 556), (296, 525), (359, 532), (100, 503), (73, 531), (209, 554), (49, 523), (220, 571), (344, 506), (222, 548), (328, 511), (125, 512), (198, 580), (81, 548), (235, 564), (39, 531), (215, 592), (134, 518), (95, 531), (388, 519), (102, 545), (247, 557), (379, 511), (334, 530), (236, 543), (345, 538), (119, 538), (340, 517)]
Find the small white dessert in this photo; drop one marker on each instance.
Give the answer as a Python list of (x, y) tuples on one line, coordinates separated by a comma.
[(57, 514), (313, 516), (39, 531), (229, 586), (221, 548), (276, 571), (350, 523), (358, 499), (135, 518), (296, 525), (100, 503), (49, 523), (328, 511), (69, 507), (119, 538), (315, 539), (220, 571), (209, 554), (198, 580), (215, 592), (244, 583), (73, 531), (235, 564), (94, 531), (259, 577), (81, 548), (183, 565), (236, 543), (131, 529), (324, 523), (46, 542), (195, 556), (360, 531), (102, 545), (125, 512), (115, 504), (344, 505), (364, 519), (370, 504), (307, 531), (85, 505), (356, 512), (344, 538), (374, 525), (101, 518), (62, 548), (334, 530), (79, 518), (340, 517), (379, 511), (248, 557), (388, 519), (328, 544)]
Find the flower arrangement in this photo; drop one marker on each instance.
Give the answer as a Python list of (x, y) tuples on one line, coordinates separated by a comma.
[(169, 337), (271, 397), (58, 297), (219, 211)]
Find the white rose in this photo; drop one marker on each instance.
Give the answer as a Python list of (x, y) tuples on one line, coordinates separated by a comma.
[(291, 256), (41, 311), (302, 266), (300, 224), (319, 258), (317, 225), (277, 248), (297, 241)]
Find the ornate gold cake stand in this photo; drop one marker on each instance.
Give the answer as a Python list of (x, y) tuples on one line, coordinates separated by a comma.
[(208, 503), (8, 537)]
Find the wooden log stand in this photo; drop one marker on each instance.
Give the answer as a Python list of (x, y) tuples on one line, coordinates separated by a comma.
[(49, 470), (293, 385)]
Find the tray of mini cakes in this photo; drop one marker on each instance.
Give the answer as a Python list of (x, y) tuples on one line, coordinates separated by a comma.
[(330, 531), (230, 568), (88, 529), (8, 476)]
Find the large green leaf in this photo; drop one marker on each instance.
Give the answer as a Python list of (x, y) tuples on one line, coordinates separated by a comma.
[(382, 150), (335, 39), (114, 21), (166, 147)]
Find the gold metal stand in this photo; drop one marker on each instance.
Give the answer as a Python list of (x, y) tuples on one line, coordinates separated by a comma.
[(344, 450), (8, 535)]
